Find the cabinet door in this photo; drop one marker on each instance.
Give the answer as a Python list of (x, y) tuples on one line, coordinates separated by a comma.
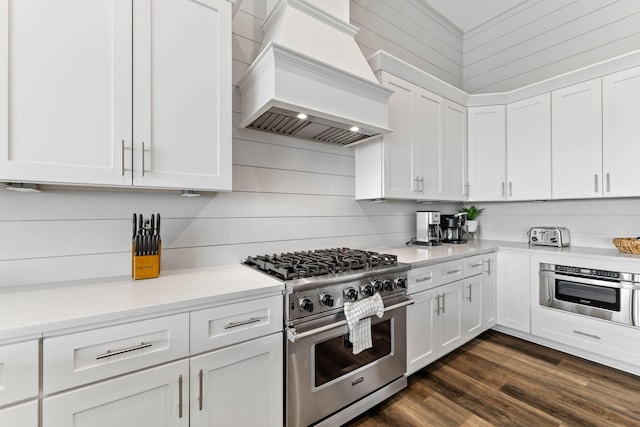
[(19, 371), (65, 91), (621, 132), (529, 149), (430, 146), (421, 345), (513, 291), (400, 149), (23, 415), (473, 301), (487, 139), (455, 152), (449, 311), (489, 283), (155, 397), (577, 141), (182, 94), (239, 385)]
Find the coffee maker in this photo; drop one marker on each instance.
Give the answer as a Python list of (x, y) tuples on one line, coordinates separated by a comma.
[(452, 228), (428, 228)]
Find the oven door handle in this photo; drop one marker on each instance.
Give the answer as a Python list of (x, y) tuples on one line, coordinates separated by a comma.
[(293, 335)]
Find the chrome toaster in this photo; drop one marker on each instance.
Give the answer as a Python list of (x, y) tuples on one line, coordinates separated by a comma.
[(549, 236)]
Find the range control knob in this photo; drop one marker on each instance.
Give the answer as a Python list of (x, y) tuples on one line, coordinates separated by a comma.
[(326, 300), (387, 285), (377, 284), (306, 304), (350, 294), (367, 290), (400, 282)]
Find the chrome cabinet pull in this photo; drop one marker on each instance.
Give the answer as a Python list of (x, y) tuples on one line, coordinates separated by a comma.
[(510, 189), (180, 396), (456, 271), (608, 183), (466, 189), (488, 261), (122, 158), (587, 335), (416, 184), (502, 191), (423, 279), (111, 353), (200, 374), (142, 155), (438, 305), (595, 179), (421, 181), (476, 265), (469, 298), (231, 325), (443, 297)]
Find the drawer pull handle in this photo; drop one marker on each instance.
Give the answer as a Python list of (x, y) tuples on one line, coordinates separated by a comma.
[(456, 271), (200, 374), (180, 396), (469, 286), (231, 325), (111, 353), (587, 335), (423, 279), (476, 265)]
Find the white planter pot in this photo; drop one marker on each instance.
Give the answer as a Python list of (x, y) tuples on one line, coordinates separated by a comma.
[(472, 225)]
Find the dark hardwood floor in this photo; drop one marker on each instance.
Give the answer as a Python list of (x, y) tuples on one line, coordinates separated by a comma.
[(499, 380)]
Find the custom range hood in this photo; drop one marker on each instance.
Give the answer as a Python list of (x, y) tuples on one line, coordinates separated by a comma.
[(310, 79)]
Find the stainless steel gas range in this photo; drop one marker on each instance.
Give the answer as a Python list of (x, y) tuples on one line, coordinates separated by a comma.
[(326, 384)]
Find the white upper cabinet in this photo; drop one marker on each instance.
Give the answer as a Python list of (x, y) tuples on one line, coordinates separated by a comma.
[(455, 180), (487, 148), (80, 94), (529, 149), (621, 133), (424, 158), (577, 141)]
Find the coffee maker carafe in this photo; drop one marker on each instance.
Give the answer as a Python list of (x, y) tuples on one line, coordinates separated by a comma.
[(428, 228), (452, 228)]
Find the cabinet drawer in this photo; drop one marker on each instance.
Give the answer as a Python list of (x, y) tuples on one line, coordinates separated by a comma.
[(451, 271), (604, 338), (75, 359), (423, 278), (474, 265), (222, 326), (19, 371)]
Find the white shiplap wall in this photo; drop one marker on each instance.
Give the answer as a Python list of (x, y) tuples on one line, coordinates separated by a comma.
[(539, 39)]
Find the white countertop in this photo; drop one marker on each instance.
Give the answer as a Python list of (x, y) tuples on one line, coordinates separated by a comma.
[(53, 307)]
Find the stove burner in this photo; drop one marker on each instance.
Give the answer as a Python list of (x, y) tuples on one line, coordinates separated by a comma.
[(296, 265)]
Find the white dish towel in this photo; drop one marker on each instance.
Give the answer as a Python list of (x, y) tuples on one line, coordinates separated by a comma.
[(359, 320)]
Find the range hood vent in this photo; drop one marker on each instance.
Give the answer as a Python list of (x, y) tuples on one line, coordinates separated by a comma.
[(284, 122), (311, 64)]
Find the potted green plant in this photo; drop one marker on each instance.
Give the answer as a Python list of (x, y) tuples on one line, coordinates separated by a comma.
[(472, 213)]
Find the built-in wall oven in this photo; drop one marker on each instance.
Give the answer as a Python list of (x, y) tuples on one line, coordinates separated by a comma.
[(326, 384), (608, 295)]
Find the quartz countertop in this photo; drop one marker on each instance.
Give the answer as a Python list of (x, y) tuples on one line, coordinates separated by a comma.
[(41, 309)]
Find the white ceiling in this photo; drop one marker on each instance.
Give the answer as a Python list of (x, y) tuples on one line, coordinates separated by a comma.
[(468, 14)]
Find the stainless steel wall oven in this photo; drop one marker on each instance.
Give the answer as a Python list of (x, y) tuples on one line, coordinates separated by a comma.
[(608, 295)]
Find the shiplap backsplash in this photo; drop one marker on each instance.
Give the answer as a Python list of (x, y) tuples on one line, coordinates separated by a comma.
[(539, 39), (288, 194)]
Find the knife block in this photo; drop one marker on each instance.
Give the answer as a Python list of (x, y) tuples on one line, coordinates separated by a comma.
[(145, 266)]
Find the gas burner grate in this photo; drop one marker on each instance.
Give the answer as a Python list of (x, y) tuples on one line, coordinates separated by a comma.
[(297, 265)]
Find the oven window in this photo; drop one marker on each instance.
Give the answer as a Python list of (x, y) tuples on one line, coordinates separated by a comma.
[(334, 357), (591, 295)]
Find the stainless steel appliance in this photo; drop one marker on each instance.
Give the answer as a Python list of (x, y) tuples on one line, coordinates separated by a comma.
[(608, 295), (428, 230), (452, 228), (326, 384), (549, 236)]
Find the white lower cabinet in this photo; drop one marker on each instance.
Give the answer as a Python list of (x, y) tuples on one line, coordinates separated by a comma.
[(239, 385), (513, 291), (154, 397), (450, 312), (22, 415)]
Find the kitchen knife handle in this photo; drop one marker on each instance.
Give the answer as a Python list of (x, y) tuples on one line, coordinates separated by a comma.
[(142, 159)]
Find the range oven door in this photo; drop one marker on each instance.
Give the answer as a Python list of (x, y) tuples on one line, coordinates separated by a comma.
[(596, 298), (323, 375)]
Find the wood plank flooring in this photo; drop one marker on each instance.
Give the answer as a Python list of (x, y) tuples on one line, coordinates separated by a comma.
[(500, 380)]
